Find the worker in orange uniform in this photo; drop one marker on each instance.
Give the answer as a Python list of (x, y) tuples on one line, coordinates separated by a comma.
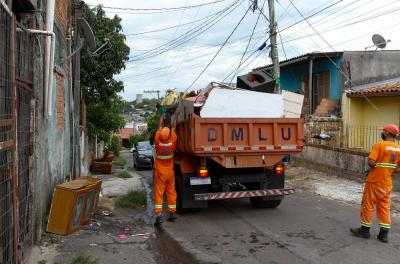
[(164, 178), (384, 159)]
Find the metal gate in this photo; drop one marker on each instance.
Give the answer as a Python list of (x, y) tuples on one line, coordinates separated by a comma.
[(7, 139), (16, 138), (25, 125)]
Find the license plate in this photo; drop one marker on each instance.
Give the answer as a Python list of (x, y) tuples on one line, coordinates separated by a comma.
[(200, 181)]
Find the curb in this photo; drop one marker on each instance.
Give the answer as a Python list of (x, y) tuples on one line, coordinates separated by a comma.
[(186, 250), (175, 246)]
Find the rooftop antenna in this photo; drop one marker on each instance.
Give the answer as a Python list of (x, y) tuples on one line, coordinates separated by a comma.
[(379, 42), (88, 35)]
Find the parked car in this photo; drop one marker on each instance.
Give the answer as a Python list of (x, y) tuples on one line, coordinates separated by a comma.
[(142, 155)]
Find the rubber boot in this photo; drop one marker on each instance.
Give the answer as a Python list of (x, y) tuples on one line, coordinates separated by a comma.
[(383, 235), (159, 220), (172, 217), (362, 232)]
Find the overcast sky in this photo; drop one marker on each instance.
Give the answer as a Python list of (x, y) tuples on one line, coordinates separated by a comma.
[(158, 64)]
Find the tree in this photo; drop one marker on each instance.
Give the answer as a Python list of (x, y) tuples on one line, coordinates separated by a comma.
[(104, 106), (152, 122)]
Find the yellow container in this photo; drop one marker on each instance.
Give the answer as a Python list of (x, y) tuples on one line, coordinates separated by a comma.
[(73, 204)]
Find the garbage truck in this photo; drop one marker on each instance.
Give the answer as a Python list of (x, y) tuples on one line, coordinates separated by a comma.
[(233, 153)]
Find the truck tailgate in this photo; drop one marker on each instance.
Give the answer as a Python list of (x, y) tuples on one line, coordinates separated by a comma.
[(241, 142)]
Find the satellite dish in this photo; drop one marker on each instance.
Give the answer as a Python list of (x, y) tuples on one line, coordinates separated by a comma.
[(379, 41), (88, 35)]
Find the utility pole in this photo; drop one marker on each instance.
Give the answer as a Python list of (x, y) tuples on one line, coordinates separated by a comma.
[(153, 91), (274, 47)]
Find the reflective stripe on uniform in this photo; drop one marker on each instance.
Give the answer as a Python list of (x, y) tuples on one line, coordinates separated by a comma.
[(158, 206), (385, 165), (172, 206), (165, 157), (385, 225), (365, 224)]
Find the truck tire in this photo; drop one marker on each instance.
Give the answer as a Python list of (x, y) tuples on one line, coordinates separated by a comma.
[(179, 197), (259, 202)]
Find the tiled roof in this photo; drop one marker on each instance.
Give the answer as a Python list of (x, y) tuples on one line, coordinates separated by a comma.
[(388, 88), (126, 132)]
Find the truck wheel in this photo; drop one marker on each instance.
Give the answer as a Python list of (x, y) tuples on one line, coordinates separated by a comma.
[(259, 202)]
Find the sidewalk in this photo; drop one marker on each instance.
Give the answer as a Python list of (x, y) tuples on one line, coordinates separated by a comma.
[(122, 237), (332, 187)]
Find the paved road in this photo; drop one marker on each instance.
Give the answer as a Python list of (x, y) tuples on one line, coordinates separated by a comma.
[(306, 228)]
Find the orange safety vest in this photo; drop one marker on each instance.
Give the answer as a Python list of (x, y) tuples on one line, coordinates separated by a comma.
[(386, 155), (165, 151)]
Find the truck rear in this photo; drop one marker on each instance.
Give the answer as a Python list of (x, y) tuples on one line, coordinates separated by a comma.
[(231, 158)]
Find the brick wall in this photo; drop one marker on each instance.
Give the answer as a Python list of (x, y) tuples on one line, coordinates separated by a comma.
[(63, 14), (60, 104)]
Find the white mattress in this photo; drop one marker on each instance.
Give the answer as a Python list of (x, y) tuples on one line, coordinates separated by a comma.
[(228, 103)]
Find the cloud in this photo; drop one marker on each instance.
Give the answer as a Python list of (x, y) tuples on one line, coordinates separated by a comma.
[(346, 25)]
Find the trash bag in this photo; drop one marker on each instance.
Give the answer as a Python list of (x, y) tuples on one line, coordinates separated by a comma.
[(170, 100)]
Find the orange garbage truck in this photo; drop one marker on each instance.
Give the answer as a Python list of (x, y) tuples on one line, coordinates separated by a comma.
[(232, 158)]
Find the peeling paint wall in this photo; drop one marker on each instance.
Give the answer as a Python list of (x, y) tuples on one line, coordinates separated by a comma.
[(55, 157)]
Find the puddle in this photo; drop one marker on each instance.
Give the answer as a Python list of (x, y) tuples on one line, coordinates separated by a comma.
[(165, 249)]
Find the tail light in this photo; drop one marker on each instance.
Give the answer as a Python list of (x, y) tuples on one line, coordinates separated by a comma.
[(203, 172), (279, 169)]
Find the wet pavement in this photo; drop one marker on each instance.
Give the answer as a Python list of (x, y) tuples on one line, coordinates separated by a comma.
[(306, 228)]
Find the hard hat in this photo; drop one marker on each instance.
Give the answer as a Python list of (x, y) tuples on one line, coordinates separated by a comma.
[(391, 129), (164, 134)]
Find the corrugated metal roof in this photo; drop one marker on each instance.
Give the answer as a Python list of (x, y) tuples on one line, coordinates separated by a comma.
[(304, 57), (382, 88)]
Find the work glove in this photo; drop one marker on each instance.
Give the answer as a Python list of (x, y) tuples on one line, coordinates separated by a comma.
[(162, 110)]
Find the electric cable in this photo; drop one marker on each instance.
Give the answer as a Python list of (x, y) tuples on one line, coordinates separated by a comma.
[(216, 54), (162, 8), (248, 43), (183, 38)]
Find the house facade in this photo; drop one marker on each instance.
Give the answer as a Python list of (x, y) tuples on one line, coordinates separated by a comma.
[(370, 107), (332, 73), (348, 96)]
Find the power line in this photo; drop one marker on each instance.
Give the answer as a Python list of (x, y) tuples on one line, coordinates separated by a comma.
[(216, 54), (184, 55), (175, 43), (313, 14), (309, 24), (337, 11), (347, 23), (183, 38), (248, 43), (248, 57), (326, 55), (162, 8), (167, 28)]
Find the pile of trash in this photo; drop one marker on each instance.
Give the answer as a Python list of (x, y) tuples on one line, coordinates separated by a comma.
[(221, 101)]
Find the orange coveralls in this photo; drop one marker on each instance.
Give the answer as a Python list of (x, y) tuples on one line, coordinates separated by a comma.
[(378, 185), (164, 177)]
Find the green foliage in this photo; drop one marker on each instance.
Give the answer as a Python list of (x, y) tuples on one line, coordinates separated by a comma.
[(134, 139), (124, 175), (104, 117), (147, 104), (115, 145), (119, 161), (152, 122), (85, 260), (133, 199), (104, 106)]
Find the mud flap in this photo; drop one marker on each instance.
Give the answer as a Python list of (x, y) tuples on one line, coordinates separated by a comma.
[(186, 192), (274, 181)]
